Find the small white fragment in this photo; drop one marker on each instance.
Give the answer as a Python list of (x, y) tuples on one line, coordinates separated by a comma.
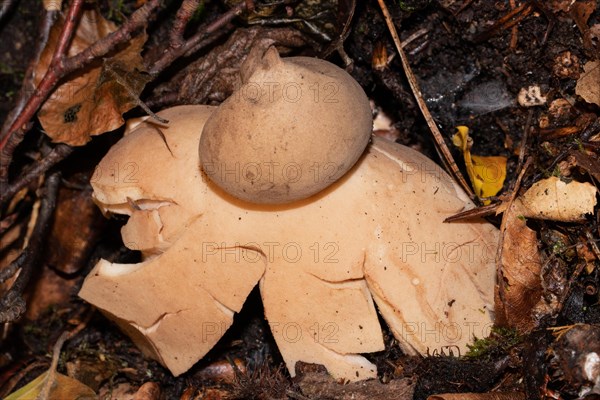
[(531, 96), (415, 281), (591, 367)]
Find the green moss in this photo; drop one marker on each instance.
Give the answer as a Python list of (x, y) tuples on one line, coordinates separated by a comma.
[(116, 10), (198, 14), (558, 248), (410, 6), (499, 341), (405, 7)]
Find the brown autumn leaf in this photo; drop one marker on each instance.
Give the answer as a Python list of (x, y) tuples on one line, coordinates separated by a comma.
[(581, 11), (591, 39), (519, 287), (92, 101), (63, 387), (588, 85), (557, 6), (589, 162), (555, 200)]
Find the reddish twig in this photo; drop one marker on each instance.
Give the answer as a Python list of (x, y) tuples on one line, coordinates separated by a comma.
[(189, 45), (515, 16), (12, 305), (184, 14), (49, 80), (68, 30), (62, 66)]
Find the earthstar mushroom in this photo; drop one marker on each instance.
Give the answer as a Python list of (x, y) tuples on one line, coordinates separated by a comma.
[(373, 237)]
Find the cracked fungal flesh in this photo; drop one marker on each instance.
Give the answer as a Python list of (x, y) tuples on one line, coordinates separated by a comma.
[(373, 238)]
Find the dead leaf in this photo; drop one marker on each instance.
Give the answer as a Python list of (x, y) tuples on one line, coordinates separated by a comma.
[(63, 388), (91, 372), (555, 200), (519, 287), (91, 102), (588, 162), (559, 5), (74, 235), (588, 85), (581, 12), (592, 38), (487, 174), (121, 391)]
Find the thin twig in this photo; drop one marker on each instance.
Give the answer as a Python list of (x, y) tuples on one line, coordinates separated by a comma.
[(173, 53), (514, 38), (13, 267), (478, 212), (15, 134), (62, 67), (509, 20), (524, 140), (209, 39), (446, 155), (58, 153), (12, 305), (184, 14), (68, 30), (131, 92), (7, 222), (51, 375)]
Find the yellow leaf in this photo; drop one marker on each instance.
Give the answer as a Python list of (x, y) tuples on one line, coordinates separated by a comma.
[(487, 174), (63, 387)]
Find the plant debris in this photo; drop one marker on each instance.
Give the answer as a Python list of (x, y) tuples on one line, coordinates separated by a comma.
[(92, 102)]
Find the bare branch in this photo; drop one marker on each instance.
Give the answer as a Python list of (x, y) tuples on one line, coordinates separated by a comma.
[(175, 52), (62, 66), (12, 305), (184, 14)]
